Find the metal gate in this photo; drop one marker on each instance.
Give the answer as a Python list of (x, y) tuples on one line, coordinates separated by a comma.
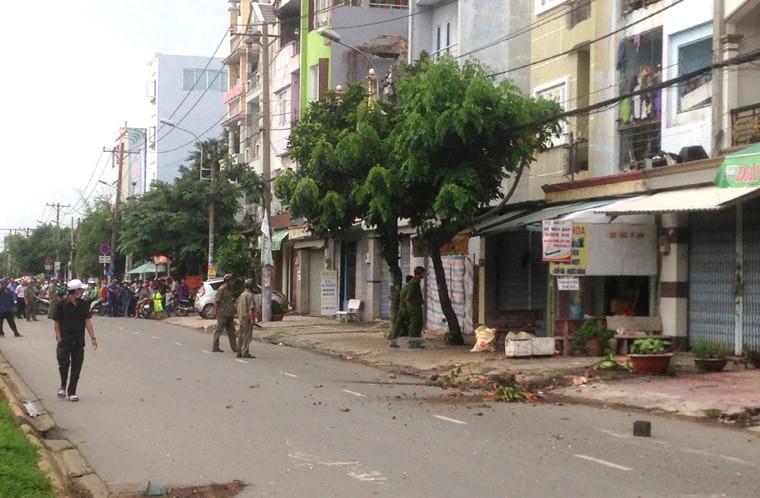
[(712, 262), (750, 334), (316, 265)]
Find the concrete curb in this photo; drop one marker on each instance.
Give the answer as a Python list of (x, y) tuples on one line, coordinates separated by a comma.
[(55, 455)]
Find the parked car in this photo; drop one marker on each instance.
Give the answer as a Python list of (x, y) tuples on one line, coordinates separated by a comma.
[(206, 294)]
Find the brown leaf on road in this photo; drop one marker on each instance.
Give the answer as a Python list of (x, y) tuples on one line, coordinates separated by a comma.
[(253, 386), (344, 409)]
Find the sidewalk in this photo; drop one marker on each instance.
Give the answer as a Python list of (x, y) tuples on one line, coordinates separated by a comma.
[(732, 395)]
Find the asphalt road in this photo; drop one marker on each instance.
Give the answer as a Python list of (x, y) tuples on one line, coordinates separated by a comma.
[(156, 405)]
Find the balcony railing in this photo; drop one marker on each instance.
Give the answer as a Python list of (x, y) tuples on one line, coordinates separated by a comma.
[(389, 4), (745, 125)]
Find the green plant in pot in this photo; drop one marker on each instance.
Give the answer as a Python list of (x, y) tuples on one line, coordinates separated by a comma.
[(277, 311), (649, 356), (591, 338), (710, 356)]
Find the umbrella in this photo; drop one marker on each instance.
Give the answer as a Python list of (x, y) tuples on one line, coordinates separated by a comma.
[(148, 268), (740, 168)]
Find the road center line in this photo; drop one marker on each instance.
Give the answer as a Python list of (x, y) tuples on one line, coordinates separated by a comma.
[(290, 375), (604, 462), (447, 419), (241, 361), (178, 343), (155, 337), (353, 392), (135, 332)]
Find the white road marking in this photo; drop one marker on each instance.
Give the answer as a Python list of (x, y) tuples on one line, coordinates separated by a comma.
[(355, 471), (604, 462), (353, 392), (616, 434), (290, 374), (207, 352), (178, 343), (135, 332), (155, 337), (447, 419), (241, 361)]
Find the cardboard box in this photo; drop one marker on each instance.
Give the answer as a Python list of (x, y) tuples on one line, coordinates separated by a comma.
[(543, 346), (518, 348)]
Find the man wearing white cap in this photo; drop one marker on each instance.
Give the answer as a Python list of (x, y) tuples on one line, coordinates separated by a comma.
[(72, 317)]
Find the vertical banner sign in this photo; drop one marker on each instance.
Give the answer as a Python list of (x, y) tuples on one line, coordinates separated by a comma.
[(578, 262), (329, 292), (557, 238)]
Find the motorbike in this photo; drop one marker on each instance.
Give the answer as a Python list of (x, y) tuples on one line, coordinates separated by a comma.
[(98, 307), (183, 307), (43, 305)]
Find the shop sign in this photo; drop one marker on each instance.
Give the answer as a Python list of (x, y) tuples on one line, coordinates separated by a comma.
[(557, 240), (568, 283), (610, 249), (329, 292)]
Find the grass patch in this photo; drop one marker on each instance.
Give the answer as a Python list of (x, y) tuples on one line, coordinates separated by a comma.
[(19, 475)]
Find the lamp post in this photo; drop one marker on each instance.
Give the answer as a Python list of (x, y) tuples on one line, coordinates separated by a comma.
[(211, 270), (334, 37)]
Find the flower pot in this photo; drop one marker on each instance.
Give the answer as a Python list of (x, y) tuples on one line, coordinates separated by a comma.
[(647, 364), (594, 347), (277, 318), (711, 364)]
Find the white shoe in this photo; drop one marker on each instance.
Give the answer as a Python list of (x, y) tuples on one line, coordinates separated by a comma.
[(73, 397), (62, 393)]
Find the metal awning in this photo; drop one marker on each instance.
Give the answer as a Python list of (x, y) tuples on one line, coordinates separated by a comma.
[(690, 199), (277, 237), (546, 213)]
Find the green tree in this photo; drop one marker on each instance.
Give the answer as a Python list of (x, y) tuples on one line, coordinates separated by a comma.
[(94, 230), (171, 219), (346, 173), (234, 256), (461, 137), (28, 252)]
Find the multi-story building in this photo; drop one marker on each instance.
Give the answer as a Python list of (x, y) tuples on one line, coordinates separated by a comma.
[(186, 91)]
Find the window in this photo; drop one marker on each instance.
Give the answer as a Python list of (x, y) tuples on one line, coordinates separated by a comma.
[(580, 10), (542, 6), (442, 39), (322, 12), (282, 109), (198, 79), (314, 82), (696, 92), (556, 91)]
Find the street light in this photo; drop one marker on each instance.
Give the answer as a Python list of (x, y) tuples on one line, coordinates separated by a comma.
[(211, 270), (334, 36)]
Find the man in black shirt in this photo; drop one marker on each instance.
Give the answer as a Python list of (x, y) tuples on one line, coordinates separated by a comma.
[(72, 317)]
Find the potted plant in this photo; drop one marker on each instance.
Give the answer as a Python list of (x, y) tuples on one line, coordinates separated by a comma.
[(591, 338), (710, 356), (277, 312), (649, 356)]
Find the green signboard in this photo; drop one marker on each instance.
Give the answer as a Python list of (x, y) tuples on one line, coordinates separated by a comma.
[(740, 169)]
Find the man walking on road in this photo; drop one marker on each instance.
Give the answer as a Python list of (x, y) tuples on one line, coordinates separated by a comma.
[(246, 313), (20, 301), (224, 309), (72, 318), (30, 298), (6, 308)]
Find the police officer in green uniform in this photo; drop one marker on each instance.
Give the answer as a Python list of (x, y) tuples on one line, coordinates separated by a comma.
[(224, 308), (401, 327), (414, 302)]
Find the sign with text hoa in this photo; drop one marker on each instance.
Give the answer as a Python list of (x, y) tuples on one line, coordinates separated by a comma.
[(557, 236), (578, 262)]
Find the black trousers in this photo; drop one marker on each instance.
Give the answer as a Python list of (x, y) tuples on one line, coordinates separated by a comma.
[(70, 354), (8, 315), (20, 307)]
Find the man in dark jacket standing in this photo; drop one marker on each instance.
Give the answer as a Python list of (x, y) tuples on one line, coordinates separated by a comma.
[(72, 318), (224, 307), (6, 308)]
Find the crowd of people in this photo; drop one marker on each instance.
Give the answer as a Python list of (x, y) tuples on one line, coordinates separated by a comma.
[(140, 298)]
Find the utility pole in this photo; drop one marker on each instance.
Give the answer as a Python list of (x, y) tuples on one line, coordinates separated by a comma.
[(117, 200), (57, 208), (266, 298), (211, 270)]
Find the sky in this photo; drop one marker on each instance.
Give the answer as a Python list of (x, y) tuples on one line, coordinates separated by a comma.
[(75, 72)]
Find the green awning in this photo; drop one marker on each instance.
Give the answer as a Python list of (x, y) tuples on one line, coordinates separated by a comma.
[(740, 169), (148, 268), (277, 237)]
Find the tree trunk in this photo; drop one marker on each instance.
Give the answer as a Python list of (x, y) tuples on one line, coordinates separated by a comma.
[(389, 252), (454, 335)]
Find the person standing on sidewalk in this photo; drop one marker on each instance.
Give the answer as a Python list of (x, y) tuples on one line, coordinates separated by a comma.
[(20, 301), (414, 303), (6, 308), (246, 313), (401, 327), (72, 318), (224, 309), (30, 297)]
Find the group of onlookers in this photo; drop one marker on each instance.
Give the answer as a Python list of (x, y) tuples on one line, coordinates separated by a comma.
[(130, 298)]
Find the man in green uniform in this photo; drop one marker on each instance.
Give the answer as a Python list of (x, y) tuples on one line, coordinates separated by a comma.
[(246, 313), (224, 308), (401, 327), (414, 302)]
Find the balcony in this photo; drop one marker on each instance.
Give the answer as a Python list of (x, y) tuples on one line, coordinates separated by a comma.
[(745, 125)]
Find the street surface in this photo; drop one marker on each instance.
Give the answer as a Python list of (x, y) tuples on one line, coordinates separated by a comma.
[(156, 405)]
